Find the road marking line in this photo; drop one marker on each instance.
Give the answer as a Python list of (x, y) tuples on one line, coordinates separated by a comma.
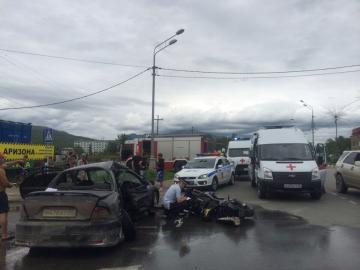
[(352, 202), (147, 227), (341, 197), (131, 267), (17, 253)]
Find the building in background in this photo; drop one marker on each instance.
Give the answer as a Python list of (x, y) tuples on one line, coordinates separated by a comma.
[(92, 146), (355, 139)]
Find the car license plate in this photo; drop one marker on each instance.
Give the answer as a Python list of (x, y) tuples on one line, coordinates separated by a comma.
[(292, 185), (245, 169), (51, 212)]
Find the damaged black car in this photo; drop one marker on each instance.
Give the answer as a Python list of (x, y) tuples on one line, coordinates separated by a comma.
[(86, 206)]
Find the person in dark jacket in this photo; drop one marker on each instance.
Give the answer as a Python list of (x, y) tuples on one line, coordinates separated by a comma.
[(160, 166), (136, 163)]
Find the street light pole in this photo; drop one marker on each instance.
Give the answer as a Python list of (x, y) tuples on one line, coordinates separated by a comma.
[(172, 41), (312, 126), (312, 121)]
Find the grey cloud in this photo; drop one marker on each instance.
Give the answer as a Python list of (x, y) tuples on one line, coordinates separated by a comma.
[(231, 35)]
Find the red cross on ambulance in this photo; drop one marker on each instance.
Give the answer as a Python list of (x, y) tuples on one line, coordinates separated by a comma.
[(291, 167)]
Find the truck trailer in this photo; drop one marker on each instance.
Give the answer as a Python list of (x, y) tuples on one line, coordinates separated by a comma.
[(171, 146)]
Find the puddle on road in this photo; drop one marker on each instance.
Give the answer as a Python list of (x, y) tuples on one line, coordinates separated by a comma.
[(283, 240)]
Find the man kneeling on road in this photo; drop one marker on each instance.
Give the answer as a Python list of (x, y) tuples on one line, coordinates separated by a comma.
[(173, 200)]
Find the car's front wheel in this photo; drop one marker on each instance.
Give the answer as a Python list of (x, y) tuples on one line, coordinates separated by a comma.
[(316, 195), (253, 181), (214, 184), (261, 193), (155, 201), (232, 180), (340, 184)]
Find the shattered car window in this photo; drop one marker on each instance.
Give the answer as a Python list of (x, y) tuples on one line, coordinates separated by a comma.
[(129, 179), (84, 179)]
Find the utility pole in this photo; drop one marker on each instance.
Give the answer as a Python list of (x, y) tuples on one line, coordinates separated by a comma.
[(338, 114), (336, 117), (157, 124), (159, 47), (313, 127)]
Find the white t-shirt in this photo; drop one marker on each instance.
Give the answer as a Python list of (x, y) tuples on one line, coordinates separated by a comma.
[(171, 195)]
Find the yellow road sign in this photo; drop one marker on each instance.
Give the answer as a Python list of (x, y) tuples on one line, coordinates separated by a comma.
[(13, 151)]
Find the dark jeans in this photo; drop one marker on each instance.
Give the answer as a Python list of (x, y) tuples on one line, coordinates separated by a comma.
[(4, 202), (177, 208)]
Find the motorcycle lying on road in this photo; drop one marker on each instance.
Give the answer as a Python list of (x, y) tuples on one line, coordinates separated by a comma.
[(209, 207)]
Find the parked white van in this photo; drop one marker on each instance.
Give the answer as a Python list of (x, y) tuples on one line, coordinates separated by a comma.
[(238, 153), (283, 160)]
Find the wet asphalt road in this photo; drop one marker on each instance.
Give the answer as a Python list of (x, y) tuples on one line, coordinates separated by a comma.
[(305, 234)]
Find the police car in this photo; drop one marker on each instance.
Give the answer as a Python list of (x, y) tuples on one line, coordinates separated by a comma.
[(208, 171)]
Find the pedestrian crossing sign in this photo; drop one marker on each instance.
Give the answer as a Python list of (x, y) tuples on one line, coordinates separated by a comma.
[(48, 136)]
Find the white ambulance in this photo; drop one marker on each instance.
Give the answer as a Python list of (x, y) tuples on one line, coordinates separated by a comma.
[(238, 153), (283, 160)]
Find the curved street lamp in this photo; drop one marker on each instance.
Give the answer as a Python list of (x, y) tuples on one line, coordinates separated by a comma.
[(155, 52)]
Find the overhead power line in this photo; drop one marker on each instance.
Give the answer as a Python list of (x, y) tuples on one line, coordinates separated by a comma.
[(77, 98), (260, 72), (257, 77), (72, 58), (39, 76)]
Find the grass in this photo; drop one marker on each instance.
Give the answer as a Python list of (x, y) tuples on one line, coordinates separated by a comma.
[(151, 175)]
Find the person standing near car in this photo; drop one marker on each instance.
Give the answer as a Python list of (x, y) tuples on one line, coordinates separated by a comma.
[(136, 163), (160, 166), (144, 165), (4, 202), (83, 160)]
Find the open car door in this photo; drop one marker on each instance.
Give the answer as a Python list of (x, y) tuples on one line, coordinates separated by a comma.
[(136, 194)]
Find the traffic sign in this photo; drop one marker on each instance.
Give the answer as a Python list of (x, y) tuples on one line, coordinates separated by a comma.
[(48, 136)]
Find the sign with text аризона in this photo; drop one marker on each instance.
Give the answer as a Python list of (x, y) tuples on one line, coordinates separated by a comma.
[(13, 151)]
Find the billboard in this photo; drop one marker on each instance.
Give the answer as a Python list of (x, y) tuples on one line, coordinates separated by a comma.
[(13, 151), (15, 132)]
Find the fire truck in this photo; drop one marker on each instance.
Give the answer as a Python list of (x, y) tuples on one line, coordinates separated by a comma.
[(171, 146)]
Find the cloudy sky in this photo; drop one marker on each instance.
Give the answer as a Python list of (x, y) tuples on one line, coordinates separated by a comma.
[(235, 36)]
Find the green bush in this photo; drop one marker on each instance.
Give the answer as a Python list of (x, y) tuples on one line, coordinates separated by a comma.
[(151, 175)]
